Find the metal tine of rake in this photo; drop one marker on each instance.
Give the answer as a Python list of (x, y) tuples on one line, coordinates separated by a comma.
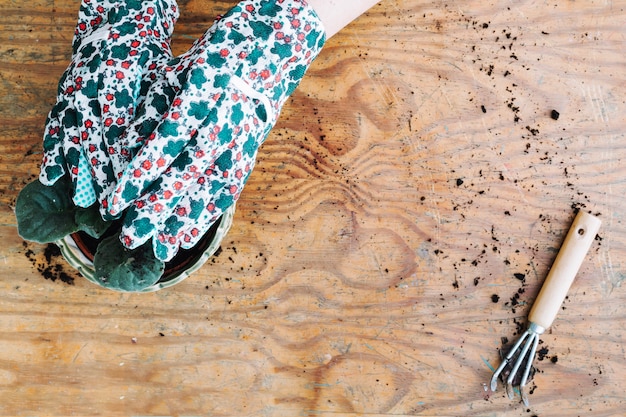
[(552, 294), (531, 336)]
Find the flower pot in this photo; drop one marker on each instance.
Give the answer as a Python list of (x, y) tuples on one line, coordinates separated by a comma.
[(79, 249)]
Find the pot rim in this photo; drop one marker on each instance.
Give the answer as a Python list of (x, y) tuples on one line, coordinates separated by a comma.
[(79, 260)]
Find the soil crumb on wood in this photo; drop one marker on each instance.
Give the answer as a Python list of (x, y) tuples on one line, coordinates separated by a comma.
[(52, 266), (554, 115)]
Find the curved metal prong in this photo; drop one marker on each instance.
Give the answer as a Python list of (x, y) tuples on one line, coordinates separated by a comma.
[(510, 391), (507, 358), (529, 365), (496, 374), (530, 339), (522, 356), (524, 395)]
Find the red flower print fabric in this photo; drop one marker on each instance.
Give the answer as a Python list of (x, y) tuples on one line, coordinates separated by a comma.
[(118, 48), (204, 118)]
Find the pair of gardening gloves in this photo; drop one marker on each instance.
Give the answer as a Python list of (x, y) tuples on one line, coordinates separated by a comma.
[(164, 143)]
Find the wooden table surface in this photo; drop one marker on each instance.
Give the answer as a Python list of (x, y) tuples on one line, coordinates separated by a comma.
[(400, 222)]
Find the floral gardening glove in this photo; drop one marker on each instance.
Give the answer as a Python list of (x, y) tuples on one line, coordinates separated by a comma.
[(205, 117), (118, 47)]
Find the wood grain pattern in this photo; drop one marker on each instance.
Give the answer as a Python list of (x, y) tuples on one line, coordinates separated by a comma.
[(393, 236)]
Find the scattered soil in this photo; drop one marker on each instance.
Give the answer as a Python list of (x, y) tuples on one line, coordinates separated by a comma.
[(50, 263)]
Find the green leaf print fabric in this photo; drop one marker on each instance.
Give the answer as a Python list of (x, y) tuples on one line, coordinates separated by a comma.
[(118, 47), (203, 120)]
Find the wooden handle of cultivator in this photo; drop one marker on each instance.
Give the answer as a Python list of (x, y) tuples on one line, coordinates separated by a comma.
[(566, 265)]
